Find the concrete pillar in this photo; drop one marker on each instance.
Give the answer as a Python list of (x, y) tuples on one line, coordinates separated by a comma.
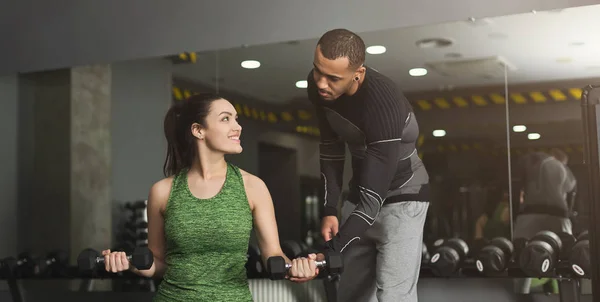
[(90, 150)]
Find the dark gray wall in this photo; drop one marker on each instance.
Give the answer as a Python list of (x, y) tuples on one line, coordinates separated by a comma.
[(8, 164), (141, 95), (44, 161), (43, 35)]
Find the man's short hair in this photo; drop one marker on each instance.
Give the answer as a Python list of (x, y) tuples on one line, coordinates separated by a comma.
[(340, 43), (559, 154)]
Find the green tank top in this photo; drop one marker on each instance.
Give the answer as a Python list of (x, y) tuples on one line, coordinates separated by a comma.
[(206, 243)]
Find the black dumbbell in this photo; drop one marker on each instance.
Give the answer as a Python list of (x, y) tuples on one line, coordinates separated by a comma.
[(579, 257), (54, 260), (425, 257), (141, 258), (541, 254), (494, 257), (476, 245), (448, 256), (568, 241), (26, 265), (278, 269), (254, 264), (8, 267)]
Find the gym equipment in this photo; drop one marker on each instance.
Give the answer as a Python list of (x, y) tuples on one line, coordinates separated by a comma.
[(141, 258), (254, 264), (52, 262), (278, 269), (579, 257), (494, 257), (448, 256), (425, 257), (541, 254), (568, 241), (477, 245), (7, 267)]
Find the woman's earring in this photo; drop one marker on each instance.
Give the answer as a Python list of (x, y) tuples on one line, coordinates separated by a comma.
[(356, 79)]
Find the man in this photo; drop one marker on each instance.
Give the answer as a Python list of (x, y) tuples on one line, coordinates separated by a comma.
[(381, 233), (548, 187)]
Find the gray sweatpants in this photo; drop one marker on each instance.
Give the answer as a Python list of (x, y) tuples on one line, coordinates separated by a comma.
[(384, 264)]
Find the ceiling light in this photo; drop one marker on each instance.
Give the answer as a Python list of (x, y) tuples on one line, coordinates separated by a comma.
[(439, 133), (376, 49), (533, 136), (434, 43), (417, 72), (519, 128), (302, 84), (250, 64)]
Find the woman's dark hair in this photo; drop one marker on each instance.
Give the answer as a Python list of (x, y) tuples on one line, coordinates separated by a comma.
[(181, 147)]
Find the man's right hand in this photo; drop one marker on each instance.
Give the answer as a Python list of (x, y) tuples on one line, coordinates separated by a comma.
[(329, 227)]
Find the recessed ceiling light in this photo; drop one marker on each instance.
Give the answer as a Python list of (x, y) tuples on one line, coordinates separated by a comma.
[(439, 133), (417, 72), (376, 49), (434, 43), (250, 64), (519, 128), (302, 84), (533, 136)]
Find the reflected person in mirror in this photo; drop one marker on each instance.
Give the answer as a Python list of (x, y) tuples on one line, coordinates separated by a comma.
[(201, 215), (381, 230), (548, 188)]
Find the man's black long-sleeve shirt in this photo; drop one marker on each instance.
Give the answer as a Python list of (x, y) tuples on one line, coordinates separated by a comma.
[(379, 127)]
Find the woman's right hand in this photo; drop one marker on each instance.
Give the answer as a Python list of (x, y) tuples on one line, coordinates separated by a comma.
[(116, 261)]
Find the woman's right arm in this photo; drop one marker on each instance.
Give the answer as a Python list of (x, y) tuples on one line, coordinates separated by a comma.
[(157, 202)]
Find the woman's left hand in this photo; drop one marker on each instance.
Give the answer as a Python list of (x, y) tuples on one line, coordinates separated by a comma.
[(303, 269)]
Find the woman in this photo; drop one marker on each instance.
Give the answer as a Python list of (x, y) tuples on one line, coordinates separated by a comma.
[(201, 215)]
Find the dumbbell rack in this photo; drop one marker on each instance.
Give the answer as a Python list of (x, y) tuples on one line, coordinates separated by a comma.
[(134, 233)]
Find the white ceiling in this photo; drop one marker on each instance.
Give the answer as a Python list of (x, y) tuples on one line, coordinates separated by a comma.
[(543, 46)]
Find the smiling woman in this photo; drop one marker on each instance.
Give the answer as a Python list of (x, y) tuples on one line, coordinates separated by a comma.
[(201, 215)]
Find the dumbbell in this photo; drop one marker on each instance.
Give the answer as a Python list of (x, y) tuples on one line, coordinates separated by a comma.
[(54, 259), (7, 267), (141, 258), (26, 265), (425, 257), (541, 254), (278, 269), (568, 242), (494, 257), (254, 264), (448, 256), (580, 256)]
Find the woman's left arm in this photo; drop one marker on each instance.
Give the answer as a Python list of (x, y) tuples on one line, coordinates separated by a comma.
[(265, 226)]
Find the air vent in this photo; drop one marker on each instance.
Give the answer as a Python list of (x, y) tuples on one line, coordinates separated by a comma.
[(492, 67)]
